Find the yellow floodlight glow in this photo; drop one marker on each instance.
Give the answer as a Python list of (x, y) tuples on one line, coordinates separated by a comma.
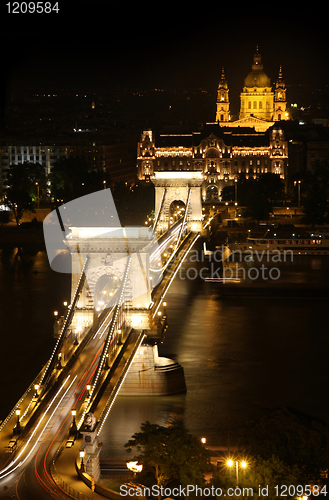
[(134, 466), (136, 320)]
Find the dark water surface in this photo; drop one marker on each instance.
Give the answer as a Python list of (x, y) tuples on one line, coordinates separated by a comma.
[(240, 353)]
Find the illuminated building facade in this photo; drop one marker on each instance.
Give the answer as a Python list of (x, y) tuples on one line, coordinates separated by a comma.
[(260, 106), (253, 145), (223, 102), (257, 98), (110, 157), (220, 153)]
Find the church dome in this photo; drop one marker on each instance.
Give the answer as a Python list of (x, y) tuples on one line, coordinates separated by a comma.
[(257, 77)]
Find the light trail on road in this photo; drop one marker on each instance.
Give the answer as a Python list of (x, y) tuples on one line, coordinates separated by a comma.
[(77, 395), (5, 472)]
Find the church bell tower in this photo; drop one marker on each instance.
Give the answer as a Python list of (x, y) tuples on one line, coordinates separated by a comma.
[(223, 103), (280, 100)]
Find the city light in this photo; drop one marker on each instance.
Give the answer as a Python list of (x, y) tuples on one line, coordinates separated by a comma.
[(95, 341), (134, 466)]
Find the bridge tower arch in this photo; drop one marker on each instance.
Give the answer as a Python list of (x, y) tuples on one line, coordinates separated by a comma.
[(184, 186), (108, 250)]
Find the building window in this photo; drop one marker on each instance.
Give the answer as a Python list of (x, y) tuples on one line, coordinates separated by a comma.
[(260, 105), (249, 104), (255, 104)]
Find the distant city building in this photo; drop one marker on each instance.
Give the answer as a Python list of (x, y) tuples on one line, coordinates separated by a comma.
[(113, 158), (221, 153), (262, 140), (260, 107)]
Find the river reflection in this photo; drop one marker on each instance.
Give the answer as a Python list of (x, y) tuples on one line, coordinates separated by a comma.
[(30, 292), (239, 353)]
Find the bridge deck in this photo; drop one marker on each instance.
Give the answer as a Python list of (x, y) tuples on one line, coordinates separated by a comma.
[(160, 291)]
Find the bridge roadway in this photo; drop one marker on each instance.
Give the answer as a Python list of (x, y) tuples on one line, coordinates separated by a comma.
[(51, 426), (27, 472)]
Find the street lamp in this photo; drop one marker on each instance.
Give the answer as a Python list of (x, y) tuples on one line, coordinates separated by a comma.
[(82, 465), (37, 184), (298, 184), (203, 440), (134, 467), (36, 388), (17, 428), (119, 341), (164, 309), (243, 464)]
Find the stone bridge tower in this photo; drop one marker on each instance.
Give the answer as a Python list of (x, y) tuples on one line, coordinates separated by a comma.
[(178, 186), (109, 250)]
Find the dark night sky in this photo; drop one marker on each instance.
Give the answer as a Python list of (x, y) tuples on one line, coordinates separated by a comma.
[(93, 42)]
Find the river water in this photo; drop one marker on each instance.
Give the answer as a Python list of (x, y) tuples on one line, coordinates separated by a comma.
[(240, 353)]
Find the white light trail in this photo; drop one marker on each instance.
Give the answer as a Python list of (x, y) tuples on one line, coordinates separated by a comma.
[(120, 384), (102, 328), (2, 473), (160, 248), (173, 276)]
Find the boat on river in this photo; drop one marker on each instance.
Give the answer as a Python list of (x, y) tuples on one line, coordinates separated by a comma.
[(285, 238)]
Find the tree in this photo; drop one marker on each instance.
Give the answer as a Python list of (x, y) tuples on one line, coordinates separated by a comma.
[(295, 438), (260, 475), (228, 193), (316, 194), (23, 181), (133, 202), (272, 187), (259, 195), (71, 178), (169, 454)]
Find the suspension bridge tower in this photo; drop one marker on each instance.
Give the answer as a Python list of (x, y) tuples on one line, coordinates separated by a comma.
[(174, 189)]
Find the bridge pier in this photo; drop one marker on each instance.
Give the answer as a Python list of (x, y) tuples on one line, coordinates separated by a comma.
[(152, 375), (118, 272), (91, 447)]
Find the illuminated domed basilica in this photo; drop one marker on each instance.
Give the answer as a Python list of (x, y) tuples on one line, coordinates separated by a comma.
[(260, 107), (252, 145)]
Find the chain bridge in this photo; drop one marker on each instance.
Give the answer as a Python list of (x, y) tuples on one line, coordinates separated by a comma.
[(108, 340)]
